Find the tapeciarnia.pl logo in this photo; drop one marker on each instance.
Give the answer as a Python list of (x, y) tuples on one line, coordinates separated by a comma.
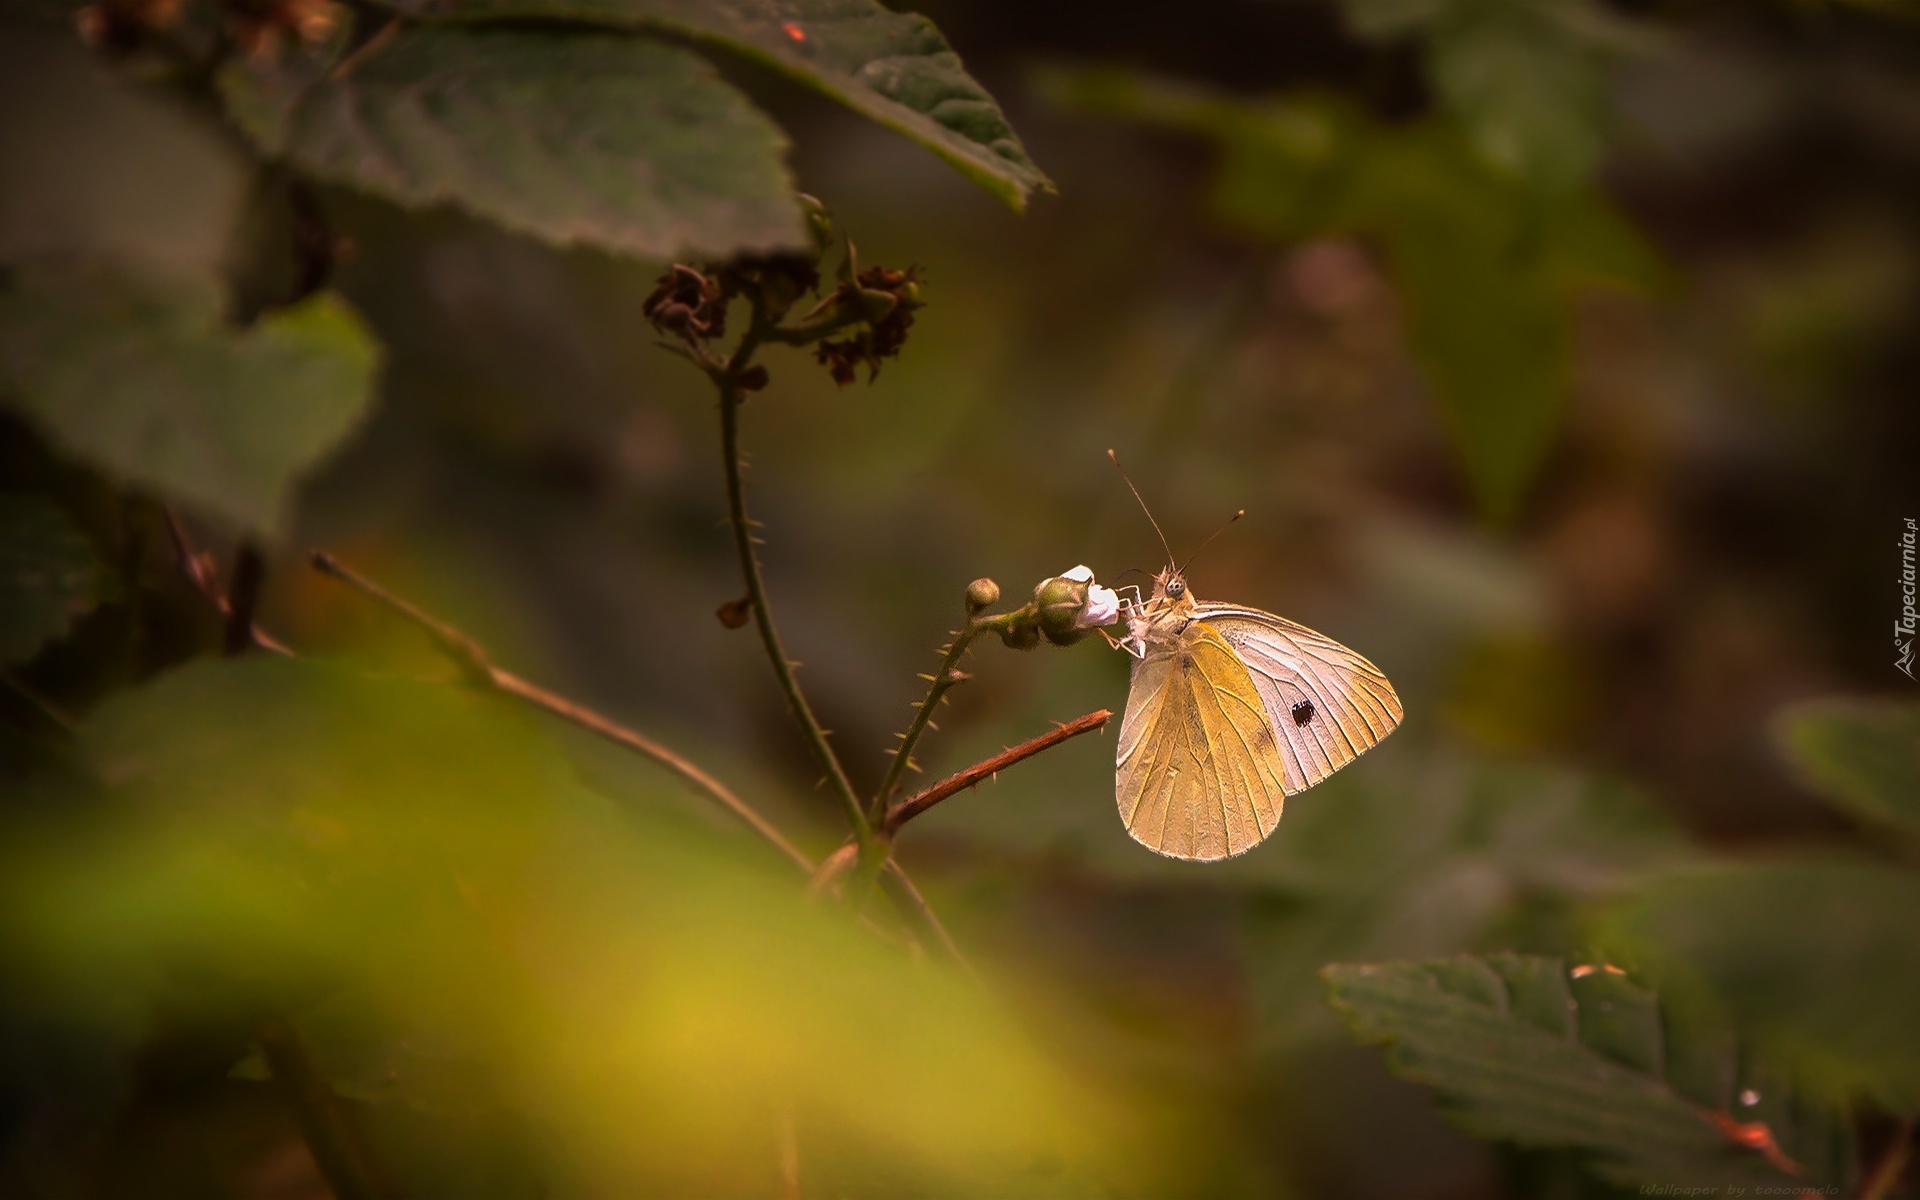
[(1903, 625)]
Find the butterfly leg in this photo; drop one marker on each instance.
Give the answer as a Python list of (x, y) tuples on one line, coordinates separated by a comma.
[(1130, 644)]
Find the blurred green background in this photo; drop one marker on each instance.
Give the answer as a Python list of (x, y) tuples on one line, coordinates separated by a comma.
[(1560, 355)]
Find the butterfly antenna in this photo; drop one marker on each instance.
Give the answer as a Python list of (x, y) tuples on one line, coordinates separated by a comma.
[(1203, 545), (1143, 504)]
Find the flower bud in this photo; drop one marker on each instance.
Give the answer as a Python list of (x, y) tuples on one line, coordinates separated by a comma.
[(1060, 601), (1067, 638), (982, 593), (819, 224), (876, 306), (1020, 637)]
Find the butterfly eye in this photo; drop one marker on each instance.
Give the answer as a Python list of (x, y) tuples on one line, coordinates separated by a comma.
[(1176, 588)]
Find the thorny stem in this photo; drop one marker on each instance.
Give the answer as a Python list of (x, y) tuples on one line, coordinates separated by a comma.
[(473, 659), (727, 378), (939, 684), (912, 807), (481, 671)]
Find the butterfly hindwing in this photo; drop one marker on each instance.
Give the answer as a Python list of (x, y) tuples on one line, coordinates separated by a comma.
[(1201, 768), (1327, 704)]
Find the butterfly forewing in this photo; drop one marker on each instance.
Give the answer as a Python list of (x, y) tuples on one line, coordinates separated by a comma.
[(1201, 772), (1327, 704)]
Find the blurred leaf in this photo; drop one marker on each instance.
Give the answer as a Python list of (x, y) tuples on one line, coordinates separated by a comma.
[(1393, 18), (1527, 82), (144, 383), (645, 990), (96, 166), (1817, 960), (1862, 755), (894, 68), (621, 143), (1425, 863), (366, 1060), (1487, 263), (49, 575), (1521, 1051)]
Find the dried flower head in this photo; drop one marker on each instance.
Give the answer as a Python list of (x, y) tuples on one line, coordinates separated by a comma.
[(886, 300), (261, 28), (688, 304), (120, 26)]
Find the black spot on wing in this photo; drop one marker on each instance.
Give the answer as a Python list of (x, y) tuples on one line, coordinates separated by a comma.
[(1303, 712)]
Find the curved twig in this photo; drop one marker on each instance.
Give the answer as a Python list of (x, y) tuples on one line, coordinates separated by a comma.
[(480, 670), (920, 802)]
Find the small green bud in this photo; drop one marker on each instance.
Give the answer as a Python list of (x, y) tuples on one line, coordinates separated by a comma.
[(1020, 637), (1060, 601), (876, 306), (982, 593), (1065, 639), (819, 224)]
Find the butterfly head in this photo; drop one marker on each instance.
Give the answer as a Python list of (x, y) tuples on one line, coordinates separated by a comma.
[(1170, 585)]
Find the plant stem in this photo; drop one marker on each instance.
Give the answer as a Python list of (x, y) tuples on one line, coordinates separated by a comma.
[(942, 681), (64, 721), (1893, 1164), (481, 671), (328, 1132), (197, 573), (243, 600), (912, 807), (731, 397), (898, 885)]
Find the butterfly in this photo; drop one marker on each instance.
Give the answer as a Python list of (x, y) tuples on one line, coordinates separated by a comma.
[(1230, 711)]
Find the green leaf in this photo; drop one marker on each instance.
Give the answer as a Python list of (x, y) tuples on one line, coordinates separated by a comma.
[(1861, 755), (144, 384), (622, 143), (98, 166), (49, 575), (1528, 89), (1816, 960), (365, 1059), (894, 68), (1428, 862), (275, 831), (1526, 82), (1488, 262), (1520, 1050)]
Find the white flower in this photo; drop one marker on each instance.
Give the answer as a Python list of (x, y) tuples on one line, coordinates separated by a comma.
[(1103, 604), (1103, 607)]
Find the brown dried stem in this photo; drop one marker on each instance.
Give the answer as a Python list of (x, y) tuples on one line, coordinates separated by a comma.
[(481, 671), (199, 573), (243, 600), (914, 805)]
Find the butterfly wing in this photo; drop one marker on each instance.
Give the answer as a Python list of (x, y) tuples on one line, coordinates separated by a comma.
[(1328, 704), (1200, 773)]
